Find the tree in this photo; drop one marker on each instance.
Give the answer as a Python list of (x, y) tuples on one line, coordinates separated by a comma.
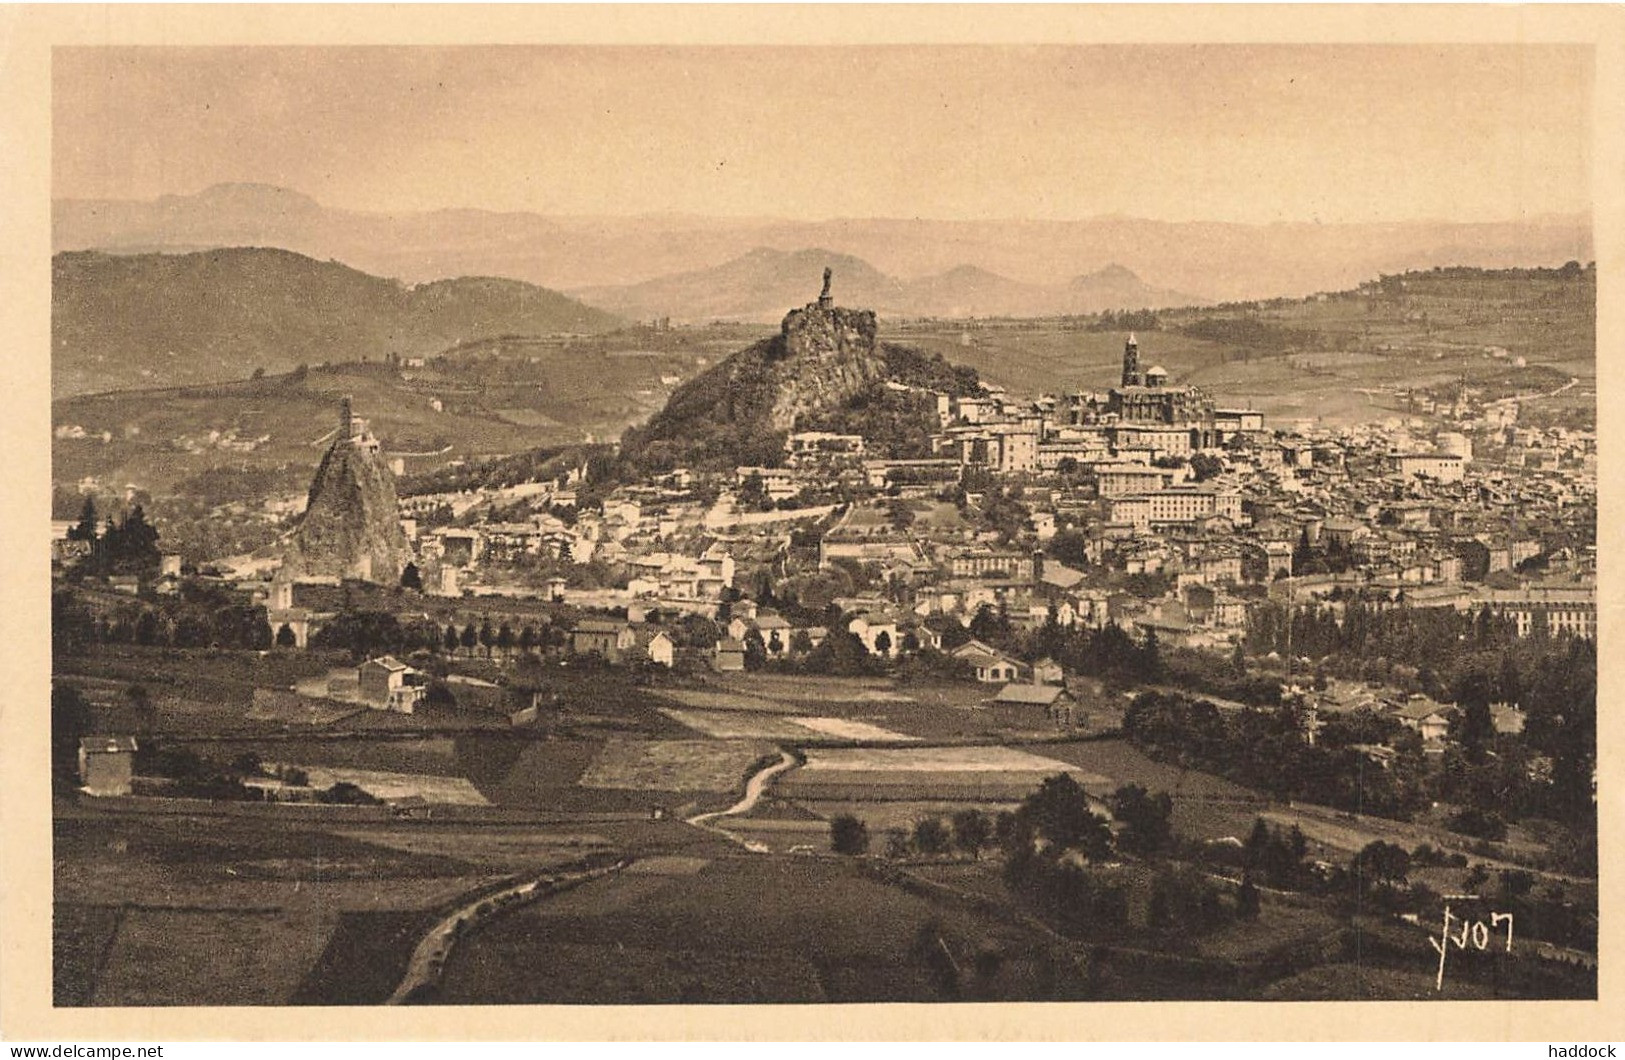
[(1474, 728), (1150, 666), (450, 639), (286, 638), (931, 836), (1060, 815), (470, 638), (1145, 818), (755, 649), (848, 835), (411, 579), (488, 637), (131, 546), (972, 831), (882, 643), (1247, 900), (143, 712), (505, 639), (1380, 862), (85, 529), (71, 718)]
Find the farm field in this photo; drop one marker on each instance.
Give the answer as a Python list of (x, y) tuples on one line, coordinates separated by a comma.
[(202, 910), (986, 776), (672, 765), (796, 728), (773, 930)]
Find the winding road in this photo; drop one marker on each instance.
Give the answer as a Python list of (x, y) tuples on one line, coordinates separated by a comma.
[(753, 794), (429, 957)]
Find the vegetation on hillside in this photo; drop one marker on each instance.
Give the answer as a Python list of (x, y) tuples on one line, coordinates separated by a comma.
[(122, 321)]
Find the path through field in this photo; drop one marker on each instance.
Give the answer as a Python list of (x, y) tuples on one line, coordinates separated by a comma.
[(430, 955), (753, 794)]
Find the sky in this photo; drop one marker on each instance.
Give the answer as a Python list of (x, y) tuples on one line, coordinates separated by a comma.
[(1242, 133)]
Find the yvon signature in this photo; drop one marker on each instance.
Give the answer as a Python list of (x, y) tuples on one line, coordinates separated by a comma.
[(1474, 932)]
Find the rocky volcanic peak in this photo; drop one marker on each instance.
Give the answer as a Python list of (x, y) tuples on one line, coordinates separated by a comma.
[(351, 527), (827, 355)]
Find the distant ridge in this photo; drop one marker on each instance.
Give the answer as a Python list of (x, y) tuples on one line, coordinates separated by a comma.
[(757, 285), (210, 316), (1215, 260)]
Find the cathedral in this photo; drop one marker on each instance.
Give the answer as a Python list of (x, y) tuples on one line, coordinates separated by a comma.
[(1144, 398)]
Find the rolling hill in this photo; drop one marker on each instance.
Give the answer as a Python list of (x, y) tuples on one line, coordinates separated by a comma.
[(174, 319)]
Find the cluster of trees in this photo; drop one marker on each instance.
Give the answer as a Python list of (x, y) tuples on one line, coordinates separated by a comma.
[(365, 633), (1055, 835), (897, 423), (128, 545), (1108, 652), (202, 617), (1266, 750), (1473, 660), (1124, 320)]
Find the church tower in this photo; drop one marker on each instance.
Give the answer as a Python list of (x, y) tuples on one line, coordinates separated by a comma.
[(1131, 362)]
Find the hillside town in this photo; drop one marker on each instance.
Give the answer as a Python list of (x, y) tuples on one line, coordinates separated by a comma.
[(1390, 622)]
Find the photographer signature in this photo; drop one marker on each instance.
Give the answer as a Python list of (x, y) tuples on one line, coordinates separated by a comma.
[(1474, 932)]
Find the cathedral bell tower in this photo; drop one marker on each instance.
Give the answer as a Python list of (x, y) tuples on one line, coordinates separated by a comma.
[(1131, 362)]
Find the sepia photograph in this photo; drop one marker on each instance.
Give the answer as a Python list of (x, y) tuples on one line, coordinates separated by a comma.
[(544, 523)]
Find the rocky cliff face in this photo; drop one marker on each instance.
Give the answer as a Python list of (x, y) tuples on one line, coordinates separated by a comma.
[(827, 355), (351, 527), (823, 361)]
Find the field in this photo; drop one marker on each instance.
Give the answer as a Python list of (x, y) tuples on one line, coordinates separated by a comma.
[(743, 930), (672, 765), (207, 910)]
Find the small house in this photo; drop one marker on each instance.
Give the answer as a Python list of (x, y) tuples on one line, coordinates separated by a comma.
[(106, 764), (386, 683), (1056, 702), (661, 649), (992, 666), (729, 656), (605, 637), (1427, 719)]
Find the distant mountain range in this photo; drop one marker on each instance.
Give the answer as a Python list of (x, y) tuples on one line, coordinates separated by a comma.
[(948, 259), (760, 285), (143, 320)]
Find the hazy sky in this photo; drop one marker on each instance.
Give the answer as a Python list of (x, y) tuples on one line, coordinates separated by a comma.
[(1238, 133)]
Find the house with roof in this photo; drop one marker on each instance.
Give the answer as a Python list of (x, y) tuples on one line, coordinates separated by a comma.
[(992, 666), (729, 656), (386, 683), (877, 631), (106, 764), (1047, 671), (775, 631), (1056, 702), (1428, 719), (607, 637), (660, 649)]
